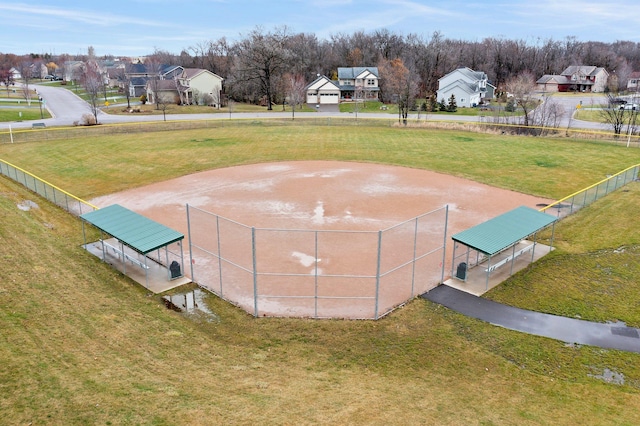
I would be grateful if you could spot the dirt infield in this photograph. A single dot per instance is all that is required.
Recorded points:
(320, 195)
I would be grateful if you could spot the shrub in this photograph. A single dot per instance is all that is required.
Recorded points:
(88, 120)
(143, 98)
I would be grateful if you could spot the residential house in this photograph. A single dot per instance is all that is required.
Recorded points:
(322, 91)
(139, 74)
(549, 83)
(470, 88)
(575, 78)
(203, 87)
(358, 83)
(72, 70)
(633, 84)
(193, 85)
(38, 70)
(15, 73)
(165, 91)
(35, 70)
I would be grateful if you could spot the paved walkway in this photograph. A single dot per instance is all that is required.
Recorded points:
(610, 336)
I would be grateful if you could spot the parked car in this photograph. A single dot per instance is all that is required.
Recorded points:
(49, 77)
(631, 107)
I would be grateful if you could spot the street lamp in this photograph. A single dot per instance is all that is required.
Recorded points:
(41, 114)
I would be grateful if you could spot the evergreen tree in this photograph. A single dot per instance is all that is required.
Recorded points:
(452, 106)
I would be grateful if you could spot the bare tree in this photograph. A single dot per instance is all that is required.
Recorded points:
(262, 58)
(6, 78)
(614, 114)
(154, 70)
(295, 92)
(124, 82)
(523, 87)
(25, 73)
(214, 56)
(93, 84)
(399, 84)
(547, 115)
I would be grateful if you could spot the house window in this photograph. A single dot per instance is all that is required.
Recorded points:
(371, 82)
(461, 99)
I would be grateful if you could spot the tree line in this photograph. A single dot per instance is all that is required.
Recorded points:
(256, 65)
(260, 66)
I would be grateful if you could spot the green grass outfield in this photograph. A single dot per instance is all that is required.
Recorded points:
(83, 345)
(98, 165)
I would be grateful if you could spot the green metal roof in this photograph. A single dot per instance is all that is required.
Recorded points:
(136, 231)
(503, 231)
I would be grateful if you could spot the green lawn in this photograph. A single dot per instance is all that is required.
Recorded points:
(150, 109)
(82, 344)
(595, 115)
(22, 114)
(546, 167)
(379, 107)
(13, 107)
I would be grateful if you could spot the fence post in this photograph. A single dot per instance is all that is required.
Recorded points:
(444, 243)
(315, 313)
(413, 263)
(375, 314)
(255, 273)
(219, 253)
(193, 278)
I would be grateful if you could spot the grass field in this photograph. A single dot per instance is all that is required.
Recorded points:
(100, 165)
(83, 344)
(13, 107)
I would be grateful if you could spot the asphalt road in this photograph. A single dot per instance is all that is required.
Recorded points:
(68, 109)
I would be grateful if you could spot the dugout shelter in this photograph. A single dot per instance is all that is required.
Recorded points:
(131, 238)
(499, 242)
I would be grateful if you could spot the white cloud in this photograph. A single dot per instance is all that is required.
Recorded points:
(85, 17)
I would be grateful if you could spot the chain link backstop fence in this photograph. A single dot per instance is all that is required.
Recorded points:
(317, 273)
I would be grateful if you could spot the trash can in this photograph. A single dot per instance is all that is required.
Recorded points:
(461, 272)
(174, 268)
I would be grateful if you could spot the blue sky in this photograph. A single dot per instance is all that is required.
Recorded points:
(138, 27)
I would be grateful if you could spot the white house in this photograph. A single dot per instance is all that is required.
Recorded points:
(15, 73)
(633, 84)
(204, 87)
(358, 83)
(322, 91)
(469, 87)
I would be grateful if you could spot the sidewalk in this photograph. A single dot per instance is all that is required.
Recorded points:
(610, 336)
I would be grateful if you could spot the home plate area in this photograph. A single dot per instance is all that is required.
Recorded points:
(318, 238)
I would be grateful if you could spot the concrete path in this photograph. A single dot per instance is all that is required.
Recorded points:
(610, 336)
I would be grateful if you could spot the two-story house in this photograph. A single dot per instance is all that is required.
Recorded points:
(470, 88)
(203, 86)
(575, 78)
(139, 74)
(191, 86)
(358, 83)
